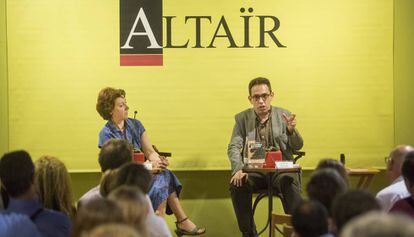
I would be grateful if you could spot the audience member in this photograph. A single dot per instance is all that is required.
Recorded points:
(17, 225)
(136, 175)
(112, 155)
(397, 190)
(53, 185)
(336, 165)
(379, 224)
(113, 230)
(17, 176)
(4, 198)
(95, 213)
(310, 219)
(108, 182)
(351, 204)
(324, 185)
(134, 206)
(406, 205)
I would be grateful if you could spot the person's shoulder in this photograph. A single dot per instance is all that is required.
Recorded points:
(385, 191)
(280, 110)
(134, 122)
(89, 196)
(157, 226)
(54, 217)
(395, 189)
(401, 205)
(14, 224)
(244, 114)
(105, 129)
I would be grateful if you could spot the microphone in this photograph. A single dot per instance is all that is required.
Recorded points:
(135, 114)
(342, 158)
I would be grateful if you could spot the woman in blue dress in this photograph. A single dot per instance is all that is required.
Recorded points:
(165, 188)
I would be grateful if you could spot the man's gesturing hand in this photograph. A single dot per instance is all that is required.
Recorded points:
(290, 122)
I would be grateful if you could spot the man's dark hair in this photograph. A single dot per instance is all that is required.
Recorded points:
(333, 164)
(407, 169)
(17, 172)
(259, 81)
(310, 218)
(114, 153)
(351, 204)
(324, 185)
(135, 175)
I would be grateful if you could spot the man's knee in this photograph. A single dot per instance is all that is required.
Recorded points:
(288, 182)
(241, 189)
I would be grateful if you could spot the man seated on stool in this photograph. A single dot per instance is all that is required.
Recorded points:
(273, 127)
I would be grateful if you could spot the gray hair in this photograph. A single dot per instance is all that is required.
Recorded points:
(379, 224)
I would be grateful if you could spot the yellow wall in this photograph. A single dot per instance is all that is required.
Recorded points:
(404, 71)
(4, 118)
(205, 193)
(335, 74)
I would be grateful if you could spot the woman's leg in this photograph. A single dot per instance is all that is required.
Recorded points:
(161, 209)
(179, 213)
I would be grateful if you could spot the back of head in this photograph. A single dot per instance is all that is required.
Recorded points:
(398, 156)
(133, 203)
(407, 171)
(113, 230)
(94, 213)
(135, 175)
(108, 182)
(310, 219)
(379, 224)
(114, 153)
(16, 172)
(53, 184)
(333, 164)
(324, 185)
(351, 204)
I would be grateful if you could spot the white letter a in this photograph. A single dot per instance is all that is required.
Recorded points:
(148, 32)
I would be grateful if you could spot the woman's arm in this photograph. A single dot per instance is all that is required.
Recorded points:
(157, 161)
(147, 148)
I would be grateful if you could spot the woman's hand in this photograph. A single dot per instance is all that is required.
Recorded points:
(160, 163)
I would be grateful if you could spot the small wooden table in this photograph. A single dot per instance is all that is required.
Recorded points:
(365, 176)
(271, 174)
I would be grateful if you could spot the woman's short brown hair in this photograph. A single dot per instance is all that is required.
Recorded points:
(106, 101)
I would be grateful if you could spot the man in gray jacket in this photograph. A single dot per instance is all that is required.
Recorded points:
(275, 128)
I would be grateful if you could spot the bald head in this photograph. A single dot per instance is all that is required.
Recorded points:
(397, 157)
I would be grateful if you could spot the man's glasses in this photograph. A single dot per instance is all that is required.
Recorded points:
(256, 98)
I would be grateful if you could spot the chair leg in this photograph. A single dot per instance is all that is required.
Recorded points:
(257, 200)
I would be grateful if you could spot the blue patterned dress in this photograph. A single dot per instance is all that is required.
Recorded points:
(164, 183)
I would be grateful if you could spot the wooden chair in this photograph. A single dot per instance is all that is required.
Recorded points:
(263, 193)
(283, 220)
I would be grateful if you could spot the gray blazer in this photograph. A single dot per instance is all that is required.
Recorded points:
(245, 128)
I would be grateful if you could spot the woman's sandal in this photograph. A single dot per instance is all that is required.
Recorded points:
(196, 231)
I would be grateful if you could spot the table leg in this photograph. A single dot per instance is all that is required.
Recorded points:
(368, 180)
(361, 182)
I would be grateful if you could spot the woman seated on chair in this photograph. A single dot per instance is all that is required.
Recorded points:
(166, 187)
